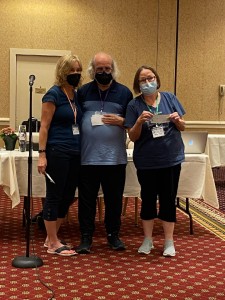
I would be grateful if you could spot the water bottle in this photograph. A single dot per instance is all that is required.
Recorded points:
(22, 138)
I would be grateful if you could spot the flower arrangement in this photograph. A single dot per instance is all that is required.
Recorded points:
(9, 137)
(8, 132)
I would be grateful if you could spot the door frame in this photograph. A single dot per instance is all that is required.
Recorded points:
(14, 52)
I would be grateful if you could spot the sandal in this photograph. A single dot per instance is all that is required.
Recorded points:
(60, 250)
(62, 242)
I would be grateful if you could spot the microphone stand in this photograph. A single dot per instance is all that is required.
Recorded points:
(28, 261)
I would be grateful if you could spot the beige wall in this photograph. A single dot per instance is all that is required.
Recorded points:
(127, 29)
(201, 67)
(135, 33)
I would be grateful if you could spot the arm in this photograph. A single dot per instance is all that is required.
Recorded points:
(47, 113)
(112, 119)
(135, 131)
(178, 121)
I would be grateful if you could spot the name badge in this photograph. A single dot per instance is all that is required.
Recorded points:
(75, 129)
(157, 132)
(96, 119)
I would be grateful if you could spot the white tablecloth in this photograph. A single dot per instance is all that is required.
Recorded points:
(14, 175)
(196, 180)
(216, 149)
(8, 177)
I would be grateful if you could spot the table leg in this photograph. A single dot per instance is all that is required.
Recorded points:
(187, 211)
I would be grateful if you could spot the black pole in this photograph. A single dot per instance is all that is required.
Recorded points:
(29, 180)
(176, 49)
(28, 261)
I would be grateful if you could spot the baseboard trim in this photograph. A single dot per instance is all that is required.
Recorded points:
(210, 126)
(4, 121)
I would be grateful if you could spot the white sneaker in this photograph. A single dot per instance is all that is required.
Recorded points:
(146, 246)
(169, 249)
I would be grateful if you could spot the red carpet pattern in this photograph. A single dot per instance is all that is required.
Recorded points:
(197, 271)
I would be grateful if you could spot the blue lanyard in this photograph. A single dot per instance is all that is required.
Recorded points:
(103, 100)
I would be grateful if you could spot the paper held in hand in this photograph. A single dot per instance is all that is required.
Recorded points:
(160, 119)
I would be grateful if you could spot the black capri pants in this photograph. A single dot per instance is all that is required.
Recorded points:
(64, 168)
(159, 184)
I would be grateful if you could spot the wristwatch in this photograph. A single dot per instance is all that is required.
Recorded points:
(41, 150)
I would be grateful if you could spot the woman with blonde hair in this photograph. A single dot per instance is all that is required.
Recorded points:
(59, 149)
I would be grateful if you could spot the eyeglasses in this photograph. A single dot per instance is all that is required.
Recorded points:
(103, 69)
(149, 79)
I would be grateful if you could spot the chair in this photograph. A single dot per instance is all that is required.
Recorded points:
(130, 145)
(35, 124)
(125, 202)
(100, 205)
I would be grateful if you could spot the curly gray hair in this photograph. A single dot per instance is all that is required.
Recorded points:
(91, 67)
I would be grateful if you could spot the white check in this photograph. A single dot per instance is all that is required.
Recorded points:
(160, 119)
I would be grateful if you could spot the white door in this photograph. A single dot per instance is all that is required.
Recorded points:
(25, 62)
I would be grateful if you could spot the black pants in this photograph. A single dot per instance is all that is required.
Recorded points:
(112, 180)
(161, 184)
(64, 168)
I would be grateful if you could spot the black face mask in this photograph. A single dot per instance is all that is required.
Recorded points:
(73, 79)
(103, 78)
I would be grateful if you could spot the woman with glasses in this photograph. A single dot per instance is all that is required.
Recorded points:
(59, 149)
(154, 121)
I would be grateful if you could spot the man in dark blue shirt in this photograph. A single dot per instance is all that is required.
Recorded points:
(103, 150)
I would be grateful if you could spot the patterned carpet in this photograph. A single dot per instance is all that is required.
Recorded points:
(208, 216)
(197, 271)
